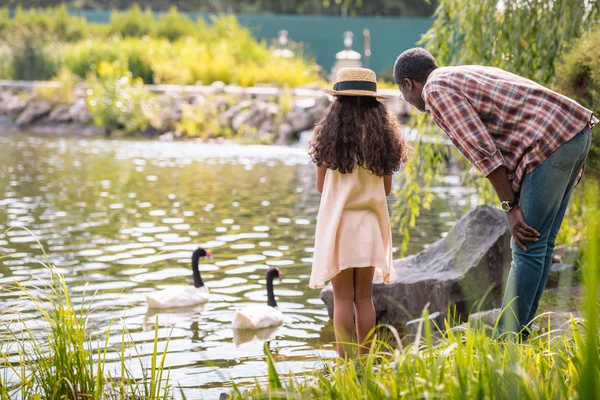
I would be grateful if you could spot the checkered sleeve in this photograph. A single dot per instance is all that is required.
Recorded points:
(457, 118)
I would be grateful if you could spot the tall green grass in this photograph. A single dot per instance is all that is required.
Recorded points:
(464, 362)
(63, 359)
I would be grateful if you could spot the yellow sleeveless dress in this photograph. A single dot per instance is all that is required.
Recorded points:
(353, 227)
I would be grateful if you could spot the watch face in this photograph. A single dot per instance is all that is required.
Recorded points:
(505, 206)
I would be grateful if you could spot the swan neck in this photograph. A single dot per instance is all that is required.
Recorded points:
(198, 283)
(270, 294)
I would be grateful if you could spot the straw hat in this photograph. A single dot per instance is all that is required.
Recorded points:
(355, 82)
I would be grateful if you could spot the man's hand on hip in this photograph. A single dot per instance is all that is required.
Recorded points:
(521, 232)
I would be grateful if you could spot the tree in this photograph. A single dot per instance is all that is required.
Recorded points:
(527, 37)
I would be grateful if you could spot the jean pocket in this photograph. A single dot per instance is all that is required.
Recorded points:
(569, 153)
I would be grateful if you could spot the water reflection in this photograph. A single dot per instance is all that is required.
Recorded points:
(120, 219)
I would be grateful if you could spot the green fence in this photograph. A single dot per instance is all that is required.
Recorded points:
(323, 36)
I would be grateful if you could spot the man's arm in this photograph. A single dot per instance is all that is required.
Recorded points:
(457, 117)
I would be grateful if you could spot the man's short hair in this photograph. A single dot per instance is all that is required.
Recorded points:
(416, 64)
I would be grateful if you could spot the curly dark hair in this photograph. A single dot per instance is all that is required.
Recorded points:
(416, 64)
(358, 131)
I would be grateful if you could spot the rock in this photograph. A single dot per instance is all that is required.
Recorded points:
(79, 112)
(456, 270)
(169, 110)
(257, 115)
(285, 132)
(34, 111)
(197, 100)
(559, 321)
(560, 271)
(60, 113)
(218, 87)
(226, 118)
(240, 120)
(11, 104)
(167, 137)
(303, 117)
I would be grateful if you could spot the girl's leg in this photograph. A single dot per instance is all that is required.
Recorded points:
(363, 304)
(343, 318)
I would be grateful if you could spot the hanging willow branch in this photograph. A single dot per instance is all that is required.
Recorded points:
(526, 37)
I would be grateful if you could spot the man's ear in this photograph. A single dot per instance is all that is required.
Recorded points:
(408, 83)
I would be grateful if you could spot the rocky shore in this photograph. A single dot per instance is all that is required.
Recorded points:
(259, 114)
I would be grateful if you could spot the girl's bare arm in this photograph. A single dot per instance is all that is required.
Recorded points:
(387, 182)
(321, 171)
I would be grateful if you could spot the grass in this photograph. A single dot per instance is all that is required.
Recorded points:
(65, 360)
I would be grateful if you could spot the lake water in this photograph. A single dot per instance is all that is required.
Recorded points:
(121, 218)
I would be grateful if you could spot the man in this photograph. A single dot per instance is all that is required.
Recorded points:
(530, 142)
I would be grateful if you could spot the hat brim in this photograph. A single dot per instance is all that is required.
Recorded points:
(363, 93)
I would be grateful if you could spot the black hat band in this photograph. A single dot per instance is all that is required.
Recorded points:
(355, 85)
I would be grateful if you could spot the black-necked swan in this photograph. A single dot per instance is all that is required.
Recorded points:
(261, 316)
(183, 296)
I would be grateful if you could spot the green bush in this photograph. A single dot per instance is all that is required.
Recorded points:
(132, 22)
(170, 49)
(174, 26)
(203, 122)
(579, 77)
(117, 101)
(30, 56)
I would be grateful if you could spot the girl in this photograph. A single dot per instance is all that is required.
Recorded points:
(357, 146)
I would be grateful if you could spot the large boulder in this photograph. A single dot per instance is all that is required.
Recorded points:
(61, 114)
(464, 269)
(11, 104)
(33, 112)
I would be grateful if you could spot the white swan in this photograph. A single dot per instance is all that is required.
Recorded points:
(261, 316)
(183, 296)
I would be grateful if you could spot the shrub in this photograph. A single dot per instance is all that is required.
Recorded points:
(174, 26)
(30, 57)
(62, 94)
(203, 122)
(117, 101)
(67, 27)
(579, 77)
(85, 57)
(132, 22)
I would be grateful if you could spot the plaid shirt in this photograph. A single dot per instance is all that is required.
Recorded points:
(496, 118)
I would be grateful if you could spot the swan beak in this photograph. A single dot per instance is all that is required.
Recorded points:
(208, 255)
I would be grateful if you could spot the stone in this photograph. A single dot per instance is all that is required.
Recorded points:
(169, 110)
(79, 112)
(218, 87)
(11, 104)
(226, 118)
(559, 321)
(464, 269)
(60, 113)
(33, 111)
(240, 120)
(167, 137)
(285, 133)
(559, 272)
(305, 114)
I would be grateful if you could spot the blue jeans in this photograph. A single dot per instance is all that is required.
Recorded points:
(544, 198)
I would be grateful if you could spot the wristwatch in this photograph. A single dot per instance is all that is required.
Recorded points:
(509, 205)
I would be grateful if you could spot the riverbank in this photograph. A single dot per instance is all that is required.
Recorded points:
(217, 112)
